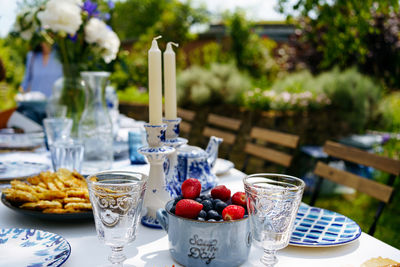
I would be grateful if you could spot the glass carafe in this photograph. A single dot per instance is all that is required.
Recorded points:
(95, 127)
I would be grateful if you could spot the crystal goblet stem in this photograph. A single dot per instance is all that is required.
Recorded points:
(269, 258)
(117, 256)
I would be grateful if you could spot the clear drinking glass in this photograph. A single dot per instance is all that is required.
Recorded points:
(272, 204)
(117, 198)
(57, 129)
(67, 154)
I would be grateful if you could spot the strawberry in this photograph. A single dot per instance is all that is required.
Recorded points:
(188, 208)
(221, 192)
(191, 188)
(239, 198)
(233, 212)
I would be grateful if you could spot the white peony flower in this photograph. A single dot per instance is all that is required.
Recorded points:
(25, 25)
(94, 30)
(110, 44)
(97, 32)
(76, 2)
(61, 15)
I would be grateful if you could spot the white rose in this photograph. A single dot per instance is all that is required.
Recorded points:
(61, 15)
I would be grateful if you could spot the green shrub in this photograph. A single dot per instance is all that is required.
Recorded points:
(222, 83)
(389, 107)
(207, 54)
(298, 91)
(353, 95)
(133, 94)
(350, 94)
(14, 65)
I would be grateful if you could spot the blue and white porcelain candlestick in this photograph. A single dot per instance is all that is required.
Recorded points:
(172, 139)
(156, 194)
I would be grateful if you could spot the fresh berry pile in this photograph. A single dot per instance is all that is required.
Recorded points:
(219, 206)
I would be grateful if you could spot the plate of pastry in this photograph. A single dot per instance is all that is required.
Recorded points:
(60, 195)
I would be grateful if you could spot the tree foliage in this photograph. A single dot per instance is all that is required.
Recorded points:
(349, 32)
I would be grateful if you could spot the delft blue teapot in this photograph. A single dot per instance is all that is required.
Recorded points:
(194, 162)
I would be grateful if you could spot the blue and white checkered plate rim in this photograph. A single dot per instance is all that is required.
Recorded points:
(316, 227)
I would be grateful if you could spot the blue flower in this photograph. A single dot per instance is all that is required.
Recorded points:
(91, 8)
(73, 38)
(111, 4)
(106, 16)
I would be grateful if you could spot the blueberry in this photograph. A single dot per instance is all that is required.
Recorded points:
(177, 199)
(202, 214)
(207, 205)
(215, 201)
(199, 199)
(220, 207)
(212, 214)
(212, 220)
(172, 210)
(201, 219)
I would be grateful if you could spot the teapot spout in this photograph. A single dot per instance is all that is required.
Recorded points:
(212, 150)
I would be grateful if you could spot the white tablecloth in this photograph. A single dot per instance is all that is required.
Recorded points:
(151, 246)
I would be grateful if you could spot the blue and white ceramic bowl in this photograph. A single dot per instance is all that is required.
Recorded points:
(32, 248)
(194, 243)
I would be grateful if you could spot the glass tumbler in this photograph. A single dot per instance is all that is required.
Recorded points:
(272, 204)
(57, 129)
(117, 198)
(135, 141)
(67, 154)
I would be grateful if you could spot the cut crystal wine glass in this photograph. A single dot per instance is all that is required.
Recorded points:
(117, 198)
(272, 204)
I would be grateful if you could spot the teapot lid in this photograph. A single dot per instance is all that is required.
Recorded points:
(192, 151)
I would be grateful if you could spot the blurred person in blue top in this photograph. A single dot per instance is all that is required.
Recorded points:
(42, 69)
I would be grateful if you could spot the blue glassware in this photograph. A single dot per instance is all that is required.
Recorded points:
(135, 142)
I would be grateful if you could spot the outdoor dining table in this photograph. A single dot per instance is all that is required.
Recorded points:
(151, 245)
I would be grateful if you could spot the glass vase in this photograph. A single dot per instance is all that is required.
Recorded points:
(69, 91)
(95, 126)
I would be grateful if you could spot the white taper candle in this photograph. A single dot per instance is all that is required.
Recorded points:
(155, 84)
(170, 82)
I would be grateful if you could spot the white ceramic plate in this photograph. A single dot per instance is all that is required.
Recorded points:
(31, 247)
(23, 141)
(16, 169)
(222, 166)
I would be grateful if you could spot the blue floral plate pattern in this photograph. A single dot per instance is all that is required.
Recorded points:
(32, 248)
(316, 227)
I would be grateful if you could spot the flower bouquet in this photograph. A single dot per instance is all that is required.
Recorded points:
(83, 40)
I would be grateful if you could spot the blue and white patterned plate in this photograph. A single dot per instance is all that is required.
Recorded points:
(32, 248)
(316, 227)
